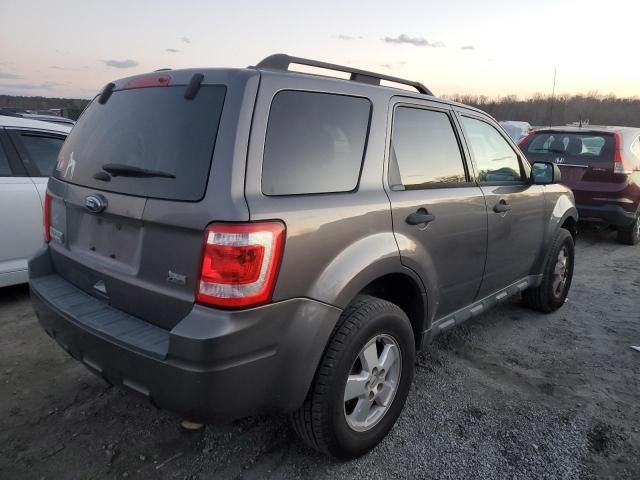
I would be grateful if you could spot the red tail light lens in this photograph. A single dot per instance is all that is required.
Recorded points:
(46, 217)
(240, 264)
(149, 81)
(525, 139)
(619, 165)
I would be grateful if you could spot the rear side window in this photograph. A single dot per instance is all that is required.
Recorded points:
(496, 160)
(5, 169)
(570, 148)
(43, 151)
(424, 150)
(168, 139)
(315, 143)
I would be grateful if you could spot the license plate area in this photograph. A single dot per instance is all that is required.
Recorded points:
(114, 240)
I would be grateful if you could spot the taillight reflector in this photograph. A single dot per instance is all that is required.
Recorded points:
(46, 216)
(240, 264)
(149, 81)
(619, 165)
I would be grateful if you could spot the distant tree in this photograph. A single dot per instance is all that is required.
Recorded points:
(593, 107)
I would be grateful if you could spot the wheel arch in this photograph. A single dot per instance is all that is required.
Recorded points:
(406, 292)
(372, 266)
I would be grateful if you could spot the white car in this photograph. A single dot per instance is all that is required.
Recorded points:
(28, 154)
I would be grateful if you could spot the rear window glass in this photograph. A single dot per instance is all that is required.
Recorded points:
(168, 139)
(315, 143)
(570, 148)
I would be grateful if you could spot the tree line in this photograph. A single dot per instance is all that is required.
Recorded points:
(40, 103)
(538, 110)
(543, 110)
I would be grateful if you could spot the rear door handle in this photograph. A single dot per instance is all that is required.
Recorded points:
(420, 217)
(502, 206)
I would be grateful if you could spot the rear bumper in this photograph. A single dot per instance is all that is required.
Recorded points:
(213, 365)
(608, 214)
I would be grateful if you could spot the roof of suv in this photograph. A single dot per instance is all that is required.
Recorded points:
(279, 64)
(19, 122)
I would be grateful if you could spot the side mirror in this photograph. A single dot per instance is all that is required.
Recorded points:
(545, 173)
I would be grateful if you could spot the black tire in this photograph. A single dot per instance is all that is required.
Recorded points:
(543, 298)
(631, 235)
(321, 421)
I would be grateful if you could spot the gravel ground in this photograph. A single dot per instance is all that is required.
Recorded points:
(512, 394)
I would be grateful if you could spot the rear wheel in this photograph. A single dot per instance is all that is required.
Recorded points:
(630, 236)
(551, 294)
(362, 382)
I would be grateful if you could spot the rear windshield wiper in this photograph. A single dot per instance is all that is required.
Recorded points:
(122, 170)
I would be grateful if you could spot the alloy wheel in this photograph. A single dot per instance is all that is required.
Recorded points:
(372, 383)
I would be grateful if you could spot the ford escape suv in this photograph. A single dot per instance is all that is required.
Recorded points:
(602, 167)
(234, 241)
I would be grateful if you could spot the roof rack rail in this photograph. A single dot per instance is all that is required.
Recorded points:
(281, 61)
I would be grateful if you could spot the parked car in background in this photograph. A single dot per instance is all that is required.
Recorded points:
(602, 167)
(28, 153)
(38, 116)
(219, 240)
(516, 130)
(50, 118)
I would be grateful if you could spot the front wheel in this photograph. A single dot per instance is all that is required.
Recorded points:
(362, 382)
(551, 294)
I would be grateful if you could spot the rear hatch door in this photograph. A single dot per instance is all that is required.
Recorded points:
(127, 215)
(585, 158)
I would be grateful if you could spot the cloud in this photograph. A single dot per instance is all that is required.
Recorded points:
(467, 47)
(386, 65)
(121, 63)
(56, 67)
(172, 50)
(417, 41)
(30, 86)
(348, 38)
(185, 39)
(9, 76)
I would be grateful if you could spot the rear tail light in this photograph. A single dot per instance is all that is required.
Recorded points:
(525, 139)
(240, 264)
(619, 164)
(149, 81)
(46, 217)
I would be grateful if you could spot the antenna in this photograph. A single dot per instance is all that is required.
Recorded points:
(553, 96)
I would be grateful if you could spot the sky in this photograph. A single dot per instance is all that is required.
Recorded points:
(72, 48)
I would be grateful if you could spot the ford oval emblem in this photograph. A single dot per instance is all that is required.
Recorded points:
(95, 203)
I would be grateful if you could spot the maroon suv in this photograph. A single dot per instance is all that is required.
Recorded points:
(602, 167)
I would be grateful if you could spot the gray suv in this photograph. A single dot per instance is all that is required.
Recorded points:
(228, 242)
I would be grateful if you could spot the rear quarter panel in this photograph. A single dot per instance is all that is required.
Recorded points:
(336, 243)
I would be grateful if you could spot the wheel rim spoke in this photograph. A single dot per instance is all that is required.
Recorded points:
(369, 357)
(361, 412)
(386, 394)
(388, 357)
(356, 386)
